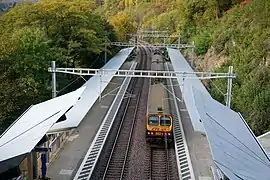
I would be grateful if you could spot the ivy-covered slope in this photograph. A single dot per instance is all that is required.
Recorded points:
(238, 31)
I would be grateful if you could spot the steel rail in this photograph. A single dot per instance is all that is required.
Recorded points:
(167, 158)
(130, 135)
(121, 126)
(87, 166)
(118, 132)
(160, 157)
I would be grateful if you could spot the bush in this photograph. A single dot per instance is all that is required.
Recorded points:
(202, 42)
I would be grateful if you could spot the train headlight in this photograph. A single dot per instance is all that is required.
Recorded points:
(152, 133)
(148, 132)
(169, 134)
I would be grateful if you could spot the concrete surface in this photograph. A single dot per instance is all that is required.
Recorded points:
(265, 142)
(68, 160)
(198, 146)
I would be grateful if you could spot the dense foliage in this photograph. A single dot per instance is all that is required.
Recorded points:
(244, 36)
(235, 29)
(73, 32)
(32, 35)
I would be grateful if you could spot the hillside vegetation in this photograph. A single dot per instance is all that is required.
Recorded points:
(244, 36)
(73, 34)
(241, 37)
(32, 35)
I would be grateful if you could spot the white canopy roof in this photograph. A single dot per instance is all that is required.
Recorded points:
(93, 88)
(23, 135)
(180, 64)
(235, 149)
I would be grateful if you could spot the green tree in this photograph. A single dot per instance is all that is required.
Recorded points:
(69, 32)
(24, 77)
(123, 23)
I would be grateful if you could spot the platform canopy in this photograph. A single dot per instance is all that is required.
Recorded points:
(235, 149)
(265, 141)
(27, 131)
(179, 63)
(94, 86)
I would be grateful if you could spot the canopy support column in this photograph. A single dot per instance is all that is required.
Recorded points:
(229, 88)
(53, 80)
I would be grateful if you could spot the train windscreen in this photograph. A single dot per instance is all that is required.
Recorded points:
(153, 120)
(165, 121)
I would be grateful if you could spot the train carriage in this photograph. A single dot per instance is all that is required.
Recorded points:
(159, 126)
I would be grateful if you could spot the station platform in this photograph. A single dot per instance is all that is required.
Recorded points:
(265, 142)
(198, 146)
(69, 158)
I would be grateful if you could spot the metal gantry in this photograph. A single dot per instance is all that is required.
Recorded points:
(159, 34)
(142, 73)
(146, 74)
(177, 46)
(151, 31)
(165, 37)
(154, 35)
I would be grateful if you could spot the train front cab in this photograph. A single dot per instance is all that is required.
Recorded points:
(159, 128)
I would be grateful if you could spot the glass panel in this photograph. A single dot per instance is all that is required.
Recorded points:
(165, 121)
(153, 120)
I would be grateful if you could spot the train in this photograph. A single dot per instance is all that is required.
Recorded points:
(159, 121)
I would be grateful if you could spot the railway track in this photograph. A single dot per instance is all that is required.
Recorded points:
(91, 158)
(162, 161)
(125, 154)
(162, 165)
(159, 159)
(116, 164)
(117, 160)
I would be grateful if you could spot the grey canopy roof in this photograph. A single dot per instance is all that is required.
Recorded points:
(25, 133)
(93, 88)
(235, 149)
